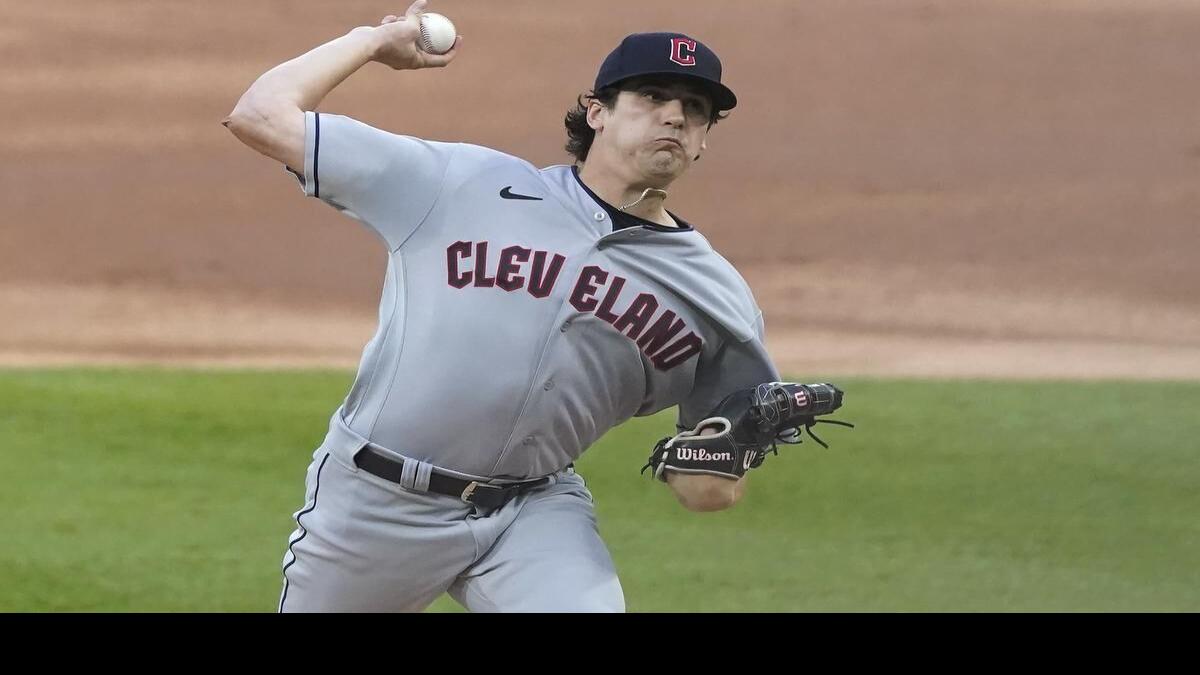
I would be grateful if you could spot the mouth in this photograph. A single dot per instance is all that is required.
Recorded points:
(669, 141)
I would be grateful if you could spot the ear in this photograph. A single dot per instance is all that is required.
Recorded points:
(596, 113)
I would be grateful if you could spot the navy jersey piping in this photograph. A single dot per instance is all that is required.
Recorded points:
(316, 154)
(304, 533)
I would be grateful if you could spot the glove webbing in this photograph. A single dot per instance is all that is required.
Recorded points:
(808, 427)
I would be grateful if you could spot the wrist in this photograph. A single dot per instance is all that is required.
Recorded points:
(705, 493)
(368, 40)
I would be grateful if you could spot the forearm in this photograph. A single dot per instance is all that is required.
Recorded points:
(304, 81)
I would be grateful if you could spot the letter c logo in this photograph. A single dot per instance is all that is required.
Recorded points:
(683, 51)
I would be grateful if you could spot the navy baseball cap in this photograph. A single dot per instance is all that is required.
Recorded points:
(673, 54)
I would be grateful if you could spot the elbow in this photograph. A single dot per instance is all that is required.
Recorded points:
(703, 493)
(271, 125)
(249, 118)
(260, 111)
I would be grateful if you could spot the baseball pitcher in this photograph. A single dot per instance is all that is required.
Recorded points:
(525, 311)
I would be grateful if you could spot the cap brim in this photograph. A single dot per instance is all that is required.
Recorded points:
(723, 98)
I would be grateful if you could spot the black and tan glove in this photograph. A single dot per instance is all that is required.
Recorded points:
(744, 427)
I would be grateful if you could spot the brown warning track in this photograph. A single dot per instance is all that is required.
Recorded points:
(1005, 188)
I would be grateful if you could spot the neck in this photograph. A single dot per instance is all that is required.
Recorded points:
(620, 191)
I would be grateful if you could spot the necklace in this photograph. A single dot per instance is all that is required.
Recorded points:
(645, 194)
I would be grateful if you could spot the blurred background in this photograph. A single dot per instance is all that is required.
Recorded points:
(916, 187)
(963, 208)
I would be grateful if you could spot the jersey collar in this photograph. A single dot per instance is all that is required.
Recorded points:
(622, 220)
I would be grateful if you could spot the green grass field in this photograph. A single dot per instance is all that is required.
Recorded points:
(160, 490)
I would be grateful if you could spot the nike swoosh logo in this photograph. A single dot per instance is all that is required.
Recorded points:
(507, 193)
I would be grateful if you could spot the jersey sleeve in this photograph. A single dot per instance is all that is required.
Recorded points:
(735, 365)
(387, 181)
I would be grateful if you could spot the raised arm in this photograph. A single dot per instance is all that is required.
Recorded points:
(270, 115)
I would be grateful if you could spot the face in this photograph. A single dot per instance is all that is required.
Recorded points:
(656, 128)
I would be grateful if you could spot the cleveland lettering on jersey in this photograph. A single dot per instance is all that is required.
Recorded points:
(467, 264)
(632, 321)
(543, 273)
(654, 342)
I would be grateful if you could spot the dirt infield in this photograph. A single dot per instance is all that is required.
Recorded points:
(995, 188)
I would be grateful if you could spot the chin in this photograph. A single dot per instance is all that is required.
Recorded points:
(658, 170)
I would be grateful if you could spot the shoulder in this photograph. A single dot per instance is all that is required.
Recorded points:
(687, 263)
(484, 154)
(559, 175)
(750, 311)
(471, 160)
(734, 289)
(463, 153)
(729, 272)
(332, 126)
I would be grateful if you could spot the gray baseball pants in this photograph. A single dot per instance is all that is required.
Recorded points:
(366, 544)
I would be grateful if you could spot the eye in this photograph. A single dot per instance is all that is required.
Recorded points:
(696, 107)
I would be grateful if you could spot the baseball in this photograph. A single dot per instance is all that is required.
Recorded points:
(437, 33)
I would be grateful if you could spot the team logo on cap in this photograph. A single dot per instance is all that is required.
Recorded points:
(683, 51)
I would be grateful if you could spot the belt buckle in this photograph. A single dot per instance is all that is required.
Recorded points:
(475, 488)
(469, 490)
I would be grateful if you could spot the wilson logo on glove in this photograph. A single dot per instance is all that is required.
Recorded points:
(801, 397)
(702, 455)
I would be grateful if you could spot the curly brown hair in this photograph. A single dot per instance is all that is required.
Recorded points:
(579, 133)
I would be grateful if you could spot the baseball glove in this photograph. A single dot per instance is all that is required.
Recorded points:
(744, 427)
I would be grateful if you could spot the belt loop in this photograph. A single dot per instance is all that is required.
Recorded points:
(424, 471)
(408, 474)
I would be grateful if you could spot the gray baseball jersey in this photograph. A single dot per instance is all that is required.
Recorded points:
(515, 326)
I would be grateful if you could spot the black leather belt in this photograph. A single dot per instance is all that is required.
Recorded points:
(486, 495)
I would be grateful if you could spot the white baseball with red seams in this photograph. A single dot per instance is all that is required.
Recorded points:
(437, 33)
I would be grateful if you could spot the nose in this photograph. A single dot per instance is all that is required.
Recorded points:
(672, 111)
